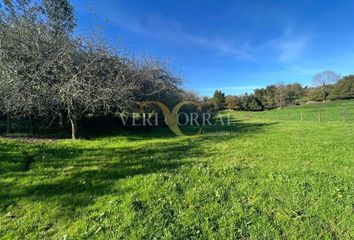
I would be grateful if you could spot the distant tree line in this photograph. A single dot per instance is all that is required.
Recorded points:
(49, 74)
(327, 86)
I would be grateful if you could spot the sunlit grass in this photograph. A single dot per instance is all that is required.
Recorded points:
(325, 112)
(268, 178)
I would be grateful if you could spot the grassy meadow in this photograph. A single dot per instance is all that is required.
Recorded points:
(324, 112)
(268, 176)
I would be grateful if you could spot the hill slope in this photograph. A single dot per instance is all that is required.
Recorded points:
(329, 111)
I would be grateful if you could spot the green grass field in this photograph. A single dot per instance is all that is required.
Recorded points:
(264, 177)
(329, 112)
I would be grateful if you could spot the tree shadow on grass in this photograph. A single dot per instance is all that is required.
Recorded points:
(227, 129)
(74, 176)
(218, 124)
(222, 125)
(91, 172)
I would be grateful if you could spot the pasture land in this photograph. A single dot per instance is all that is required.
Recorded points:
(264, 177)
(324, 112)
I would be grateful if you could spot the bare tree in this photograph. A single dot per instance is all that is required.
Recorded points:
(92, 81)
(323, 80)
(32, 33)
(45, 72)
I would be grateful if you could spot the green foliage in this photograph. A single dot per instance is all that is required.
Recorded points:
(315, 94)
(279, 96)
(252, 103)
(273, 96)
(267, 96)
(233, 102)
(344, 88)
(219, 100)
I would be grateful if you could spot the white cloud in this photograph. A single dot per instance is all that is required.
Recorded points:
(172, 31)
(288, 47)
(221, 47)
(293, 49)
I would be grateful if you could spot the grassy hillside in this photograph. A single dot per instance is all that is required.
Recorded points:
(329, 112)
(260, 178)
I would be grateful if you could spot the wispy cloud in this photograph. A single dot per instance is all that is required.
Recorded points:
(286, 48)
(221, 47)
(290, 46)
(290, 50)
(172, 31)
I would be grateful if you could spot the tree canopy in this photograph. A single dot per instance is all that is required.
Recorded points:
(327, 86)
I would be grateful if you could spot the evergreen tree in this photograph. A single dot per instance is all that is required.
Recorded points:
(219, 100)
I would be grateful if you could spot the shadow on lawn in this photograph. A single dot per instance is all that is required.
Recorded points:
(76, 176)
(232, 126)
(25, 134)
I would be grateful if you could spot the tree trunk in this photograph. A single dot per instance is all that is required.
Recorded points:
(8, 123)
(73, 129)
(61, 125)
(31, 124)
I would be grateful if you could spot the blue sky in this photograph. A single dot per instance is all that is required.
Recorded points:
(234, 46)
